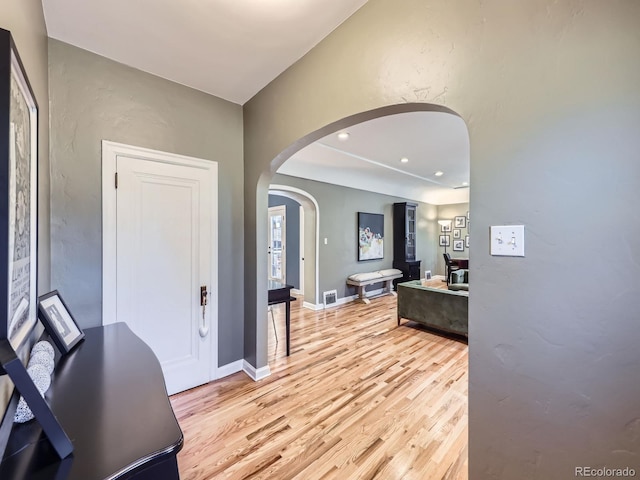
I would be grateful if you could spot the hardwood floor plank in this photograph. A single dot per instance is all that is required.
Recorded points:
(359, 398)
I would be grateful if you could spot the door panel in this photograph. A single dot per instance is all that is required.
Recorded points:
(163, 257)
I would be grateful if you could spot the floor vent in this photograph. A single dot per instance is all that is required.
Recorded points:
(330, 298)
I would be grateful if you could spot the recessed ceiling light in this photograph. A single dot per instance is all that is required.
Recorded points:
(439, 173)
(404, 159)
(343, 136)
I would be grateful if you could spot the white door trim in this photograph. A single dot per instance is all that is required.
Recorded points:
(110, 153)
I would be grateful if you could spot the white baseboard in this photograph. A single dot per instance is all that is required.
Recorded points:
(439, 277)
(230, 369)
(259, 374)
(295, 291)
(313, 306)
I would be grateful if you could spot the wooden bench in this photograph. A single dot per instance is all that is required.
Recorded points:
(361, 280)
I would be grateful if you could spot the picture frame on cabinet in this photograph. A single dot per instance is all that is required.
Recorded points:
(58, 322)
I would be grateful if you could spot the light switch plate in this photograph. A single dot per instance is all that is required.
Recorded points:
(507, 240)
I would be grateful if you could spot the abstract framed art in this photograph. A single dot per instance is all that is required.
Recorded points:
(370, 236)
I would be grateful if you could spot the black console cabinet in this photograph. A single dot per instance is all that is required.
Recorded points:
(405, 223)
(109, 396)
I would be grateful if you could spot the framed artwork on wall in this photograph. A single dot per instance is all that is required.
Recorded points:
(458, 245)
(445, 227)
(460, 222)
(466, 241)
(18, 197)
(370, 236)
(444, 240)
(457, 233)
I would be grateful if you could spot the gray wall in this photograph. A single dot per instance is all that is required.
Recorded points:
(449, 212)
(549, 91)
(25, 20)
(292, 253)
(339, 207)
(93, 98)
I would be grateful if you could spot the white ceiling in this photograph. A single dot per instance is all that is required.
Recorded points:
(228, 48)
(234, 48)
(370, 158)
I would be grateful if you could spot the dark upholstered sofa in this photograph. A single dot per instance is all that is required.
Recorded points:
(445, 310)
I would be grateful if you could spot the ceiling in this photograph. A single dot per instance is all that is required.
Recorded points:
(233, 48)
(228, 48)
(370, 158)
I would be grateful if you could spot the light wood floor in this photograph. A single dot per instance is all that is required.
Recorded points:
(359, 398)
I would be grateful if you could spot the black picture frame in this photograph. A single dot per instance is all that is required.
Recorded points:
(460, 221)
(18, 197)
(446, 227)
(58, 322)
(458, 245)
(11, 365)
(370, 236)
(457, 233)
(444, 241)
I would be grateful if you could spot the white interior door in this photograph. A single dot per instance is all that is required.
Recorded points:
(277, 243)
(164, 245)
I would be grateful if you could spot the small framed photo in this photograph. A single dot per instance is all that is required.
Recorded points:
(467, 215)
(457, 233)
(458, 245)
(466, 241)
(58, 322)
(444, 240)
(460, 222)
(446, 227)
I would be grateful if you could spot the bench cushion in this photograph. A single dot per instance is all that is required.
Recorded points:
(363, 277)
(390, 272)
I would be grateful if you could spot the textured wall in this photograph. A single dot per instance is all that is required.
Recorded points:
(549, 92)
(93, 98)
(339, 207)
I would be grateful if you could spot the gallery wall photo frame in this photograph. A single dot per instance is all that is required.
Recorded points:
(444, 241)
(458, 245)
(58, 322)
(18, 197)
(370, 236)
(460, 221)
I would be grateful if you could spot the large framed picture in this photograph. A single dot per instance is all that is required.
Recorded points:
(58, 322)
(370, 236)
(18, 197)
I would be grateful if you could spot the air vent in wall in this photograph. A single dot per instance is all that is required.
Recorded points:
(330, 298)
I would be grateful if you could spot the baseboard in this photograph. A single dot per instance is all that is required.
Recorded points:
(295, 291)
(229, 369)
(313, 306)
(438, 277)
(259, 374)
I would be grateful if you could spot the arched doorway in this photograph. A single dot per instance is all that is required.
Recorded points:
(257, 266)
